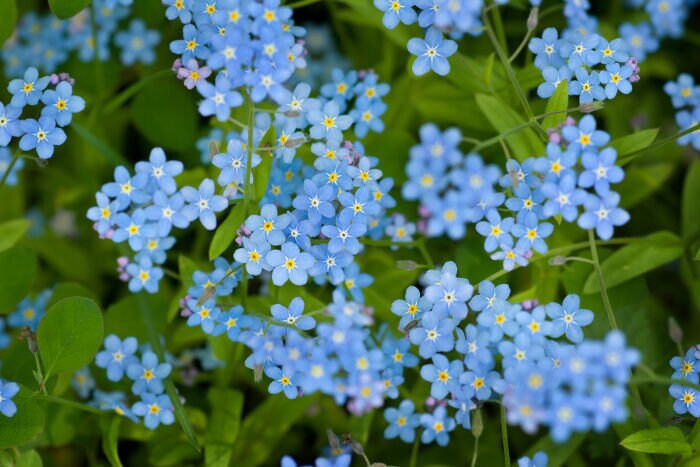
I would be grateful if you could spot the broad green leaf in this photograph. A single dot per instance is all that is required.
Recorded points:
(69, 335)
(636, 259)
(17, 268)
(665, 440)
(627, 145)
(25, 425)
(524, 142)
(29, 459)
(110, 439)
(641, 180)
(8, 19)
(265, 426)
(226, 232)
(12, 231)
(557, 103)
(65, 9)
(223, 425)
(158, 112)
(690, 214)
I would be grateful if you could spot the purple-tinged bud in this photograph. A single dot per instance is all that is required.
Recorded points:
(123, 261)
(424, 211)
(554, 136)
(177, 64)
(124, 277)
(570, 121)
(532, 19)
(528, 254)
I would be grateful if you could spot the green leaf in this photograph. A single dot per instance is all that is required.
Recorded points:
(265, 426)
(65, 9)
(8, 19)
(158, 111)
(69, 289)
(690, 215)
(26, 423)
(110, 439)
(642, 180)
(488, 69)
(636, 259)
(524, 142)
(557, 103)
(17, 268)
(261, 174)
(665, 440)
(629, 144)
(222, 426)
(29, 459)
(69, 335)
(12, 231)
(226, 232)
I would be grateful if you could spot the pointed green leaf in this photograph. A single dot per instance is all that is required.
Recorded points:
(690, 215)
(65, 9)
(223, 426)
(12, 231)
(665, 440)
(26, 423)
(110, 439)
(636, 259)
(557, 103)
(8, 19)
(17, 268)
(69, 335)
(627, 146)
(226, 232)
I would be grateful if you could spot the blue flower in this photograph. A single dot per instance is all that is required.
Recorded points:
(479, 383)
(402, 422)
(103, 214)
(531, 233)
(61, 104)
(586, 86)
(42, 136)
(203, 203)
(137, 43)
(433, 334)
(585, 135)
(219, 97)
(685, 120)
(192, 45)
(10, 126)
(474, 345)
(126, 189)
(8, 390)
(117, 356)
(396, 11)
(160, 172)
(316, 201)
(510, 256)
(167, 212)
(687, 400)
(232, 322)
(443, 375)
(490, 297)
(155, 410)
(450, 295)
(603, 214)
(289, 263)
(540, 459)
(495, 230)
(29, 312)
(204, 315)
(683, 92)
(252, 254)
(181, 9)
(686, 367)
(412, 308)
(563, 198)
(366, 116)
(431, 53)
(27, 91)
(268, 226)
(360, 205)
(580, 51)
(327, 123)
(283, 380)
(293, 314)
(133, 229)
(233, 163)
(639, 39)
(144, 275)
(437, 426)
(546, 49)
(330, 264)
(600, 170)
(83, 382)
(345, 233)
(616, 78)
(148, 374)
(553, 77)
(340, 89)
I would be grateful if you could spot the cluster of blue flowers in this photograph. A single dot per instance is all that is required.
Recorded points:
(27, 314)
(455, 190)
(121, 358)
(507, 352)
(573, 58)
(142, 209)
(46, 42)
(44, 130)
(686, 399)
(685, 97)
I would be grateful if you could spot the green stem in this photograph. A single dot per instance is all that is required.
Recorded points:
(504, 435)
(171, 273)
(119, 100)
(499, 30)
(301, 3)
(414, 452)
(601, 281)
(521, 46)
(68, 403)
(664, 381)
(426, 255)
(15, 158)
(625, 158)
(476, 451)
(248, 192)
(40, 374)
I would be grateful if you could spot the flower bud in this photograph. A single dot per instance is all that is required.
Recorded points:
(406, 264)
(557, 260)
(674, 330)
(477, 424)
(532, 19)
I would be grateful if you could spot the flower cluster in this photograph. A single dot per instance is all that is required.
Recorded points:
(46, 42)
(54, 94)
(121, 358)
(247, 43)
(455, 190)
(685, 96)
(142, 209)
(686, 399)
(573, 58)
(510, 353)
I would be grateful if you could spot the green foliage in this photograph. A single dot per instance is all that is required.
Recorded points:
(69, 335)
(628, 147)
(222, 429)
(665, 440)
(110, 438)
(226, 232)
(17, 269)
(25, 425)
(67, 8)
(556, 106)
(8, 19)
(11, 232)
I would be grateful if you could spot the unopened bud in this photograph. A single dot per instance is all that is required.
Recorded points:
(293, 143)
(206, 295)
(557, 261)
(258, 372)
(406, 264)
(333, 440)
(591, 107)
(30, 337)
(532, 19)
(357, 447)
(477, 424)
(410, 326)
(292, 113)
(213, 148)
(674, 330)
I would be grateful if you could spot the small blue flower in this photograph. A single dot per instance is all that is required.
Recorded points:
(126, 189)
(289, 263)
(540, 459)
(283, 380)
(586, 86)
(687, 400)
(396, 11)
(204, 315)
(585, 135)
(553, 77)
(103, 214)
(546, 49)
(603, 214)
(433, 334)
(443, 375)
(148, 374)
(132, 228)
(155, 410)
(252, 254)
(219, 98)
(203, 203)
(167, 212)
(686, 367)
(327, 123)
(10, 125)
(83, 382)
(160, 172)
(686, 120)
(432, 53)
(495, 230)
(316, 201)
(563, 198)
(616, 78)
(293, 314)
(137, 43)
(117, 356)
(42, 136)
(531, 233)
(437, 426)
(8, 390)
(268, 226)
(61, 104)
(27, 91)
(192, 45)
(144, 275)
(402, 422)
(412, 308)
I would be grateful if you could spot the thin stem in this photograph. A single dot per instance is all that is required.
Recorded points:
(301, 3)
(476, 451)
(414, 452)
(504, 435)
(68, 403)
(171, 273)
(580, 259)
(15, 158)
(626, 157)
(119, 100)
(426, 255)
(248, 192)
(240, 124)
(665, 381)
(40, 374)
(521, 46)
(601, 281)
